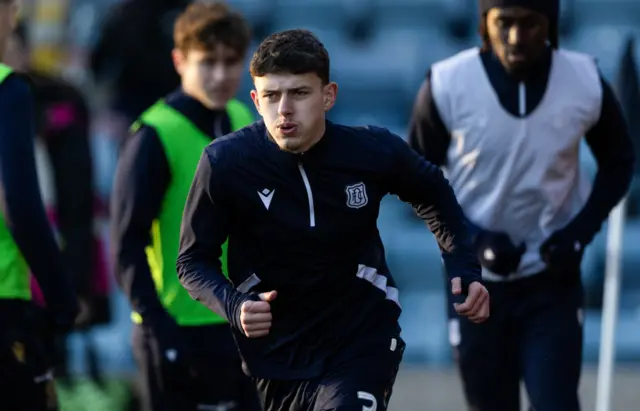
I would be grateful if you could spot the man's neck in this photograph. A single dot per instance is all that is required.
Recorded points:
(541, 66)
(194, 97)
(314, 140)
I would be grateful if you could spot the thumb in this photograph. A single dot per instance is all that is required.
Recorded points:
(268, 297)
(456, 286)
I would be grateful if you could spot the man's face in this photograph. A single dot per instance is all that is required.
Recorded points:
(517, 35)
(212, 77)
(16, 54)
(8, 20)
(293, 107)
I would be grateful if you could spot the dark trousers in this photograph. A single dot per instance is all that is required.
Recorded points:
(534, 335)
(359, 378)
(26, 363)
(220, 381)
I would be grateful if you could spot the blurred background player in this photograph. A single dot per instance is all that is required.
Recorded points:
(27, 243)
(185, 353)
(65, 169)
(506, 122)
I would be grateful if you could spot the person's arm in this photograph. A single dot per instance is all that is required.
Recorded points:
(611, 145)
(70, 154)
(427, 133)
(141, 181)
(21, 201)
(423, 185)
(205, 228)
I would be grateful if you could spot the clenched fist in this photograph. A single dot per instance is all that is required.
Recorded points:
(476, 305)
(255, 316)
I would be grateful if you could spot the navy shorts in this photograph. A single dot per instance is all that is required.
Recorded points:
(360, 378)
(220, 382)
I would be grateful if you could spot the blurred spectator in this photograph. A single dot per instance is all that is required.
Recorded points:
(359, 19)
(460, 17)
(132, 57)
(64, 164)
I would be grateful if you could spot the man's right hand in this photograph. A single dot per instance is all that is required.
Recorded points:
(476, 305)
(255, 316)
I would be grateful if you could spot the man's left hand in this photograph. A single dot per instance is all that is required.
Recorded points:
(477, 304)
(562, 252)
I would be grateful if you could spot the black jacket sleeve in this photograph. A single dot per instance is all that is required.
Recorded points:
(427, 133)
(204, 230)
(141, 181)
(21, 200)
(423, 185)
(611, 145)
(71, 161)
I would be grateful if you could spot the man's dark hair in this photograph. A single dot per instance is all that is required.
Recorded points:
(291, 51)
(486, 43)
(202, 26)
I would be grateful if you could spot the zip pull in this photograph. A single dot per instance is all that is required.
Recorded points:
(522, 99)
(307, 186)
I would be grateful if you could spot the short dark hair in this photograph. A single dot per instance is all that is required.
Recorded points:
(202, 26)
(486, 42)
(292, 51)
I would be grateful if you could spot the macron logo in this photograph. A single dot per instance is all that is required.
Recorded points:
(266, 195)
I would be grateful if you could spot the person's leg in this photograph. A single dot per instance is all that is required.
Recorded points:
(552, 347)
(61, 365)
(488, 357)
(149, 387)
(26, 373)
(361, 378)
(220, 381)
(248, 395)
(155, 395)
(285, 395)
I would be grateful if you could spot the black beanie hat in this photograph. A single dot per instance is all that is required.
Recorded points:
(549, 8)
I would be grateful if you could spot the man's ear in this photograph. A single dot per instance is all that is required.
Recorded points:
(179, 59)
(256, 101)
(330, 93)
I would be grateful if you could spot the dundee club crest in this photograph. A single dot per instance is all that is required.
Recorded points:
(356, 195)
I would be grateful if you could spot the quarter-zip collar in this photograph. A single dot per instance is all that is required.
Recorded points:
(313, 151)
(519, 97)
